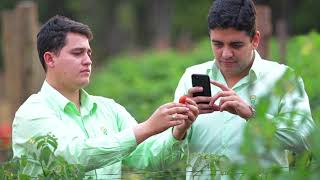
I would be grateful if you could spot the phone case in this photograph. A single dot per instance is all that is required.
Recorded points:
(202, 80)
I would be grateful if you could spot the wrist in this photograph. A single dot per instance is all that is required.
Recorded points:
(142, 131)
(178, 133)
(253, 113)
(147, 128)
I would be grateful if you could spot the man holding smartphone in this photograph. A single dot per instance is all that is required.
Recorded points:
(239, 78)
(92, 131)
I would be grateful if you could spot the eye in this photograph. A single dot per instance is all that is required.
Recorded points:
(89, 53)
(77, 53)
(237, 45)
(217, 44)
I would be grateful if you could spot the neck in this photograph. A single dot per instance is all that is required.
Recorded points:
(233, 79)
(72, 94)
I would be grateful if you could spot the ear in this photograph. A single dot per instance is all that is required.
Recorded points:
(49, 59)
(256, 40)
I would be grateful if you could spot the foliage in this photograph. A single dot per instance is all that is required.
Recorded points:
(302, 55)
(187, 16)
(53, 167)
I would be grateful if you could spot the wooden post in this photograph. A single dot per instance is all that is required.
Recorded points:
(161, 24)
(32, 72)
(22, 69)
(264, 25)
(12, 66)
(282, 36)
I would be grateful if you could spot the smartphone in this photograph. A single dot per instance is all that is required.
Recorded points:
(203, 81)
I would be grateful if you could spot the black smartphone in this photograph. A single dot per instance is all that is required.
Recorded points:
(203, 81)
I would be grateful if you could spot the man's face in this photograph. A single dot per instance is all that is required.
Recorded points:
(233, 50)
(72, 66)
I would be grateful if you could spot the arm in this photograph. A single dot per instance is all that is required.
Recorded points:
(294, 108)
(289, 110)
(167, 115)
(163, 149)
(92, 151)
(157, 152)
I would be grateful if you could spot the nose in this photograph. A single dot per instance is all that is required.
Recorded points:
(87, 60)
(227, 53)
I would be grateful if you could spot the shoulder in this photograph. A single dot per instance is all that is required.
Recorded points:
(34, 105)
(277, 70)
(273, 65)
(100, 100)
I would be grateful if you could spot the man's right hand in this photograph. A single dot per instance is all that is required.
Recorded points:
(166, 116)
(202, 101)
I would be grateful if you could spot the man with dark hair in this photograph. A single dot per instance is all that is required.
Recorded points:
(239, 79)
(92, 131)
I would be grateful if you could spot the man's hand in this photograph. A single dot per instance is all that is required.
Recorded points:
(230, 101)
(202, 101)
(166, 116)
(180, 131)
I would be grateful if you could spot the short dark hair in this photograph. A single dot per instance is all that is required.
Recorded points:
(52, 35)
(238, 14)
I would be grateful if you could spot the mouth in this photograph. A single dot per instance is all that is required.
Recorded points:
(86, 71)
(228, 63)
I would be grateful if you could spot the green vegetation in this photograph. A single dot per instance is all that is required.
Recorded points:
(53, 167)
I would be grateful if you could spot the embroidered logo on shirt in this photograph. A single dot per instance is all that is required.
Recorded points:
(253, 99)
(103, 129)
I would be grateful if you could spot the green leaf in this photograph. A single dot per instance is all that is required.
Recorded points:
(24, 177)
(45, 155)
(224, 164)
(212, 168)
(23, 161)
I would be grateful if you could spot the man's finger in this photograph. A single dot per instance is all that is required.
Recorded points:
(179, 110)
(221, 86)
(173, 104)
(227, 98)
(191, 102)
(220, 94)
(228, 105)
(193, 90)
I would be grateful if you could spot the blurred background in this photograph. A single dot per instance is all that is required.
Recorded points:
(141, 48)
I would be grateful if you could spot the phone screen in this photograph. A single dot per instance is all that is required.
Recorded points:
(203, 81)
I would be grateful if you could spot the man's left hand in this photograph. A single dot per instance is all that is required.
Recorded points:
(179, 131)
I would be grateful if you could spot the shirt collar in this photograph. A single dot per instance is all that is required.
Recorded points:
(256, 67)
(87, 102)
(54, 96)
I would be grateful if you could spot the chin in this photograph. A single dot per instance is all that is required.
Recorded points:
(84, 83)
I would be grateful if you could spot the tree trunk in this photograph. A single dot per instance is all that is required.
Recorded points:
(264, 25)
(161, 15)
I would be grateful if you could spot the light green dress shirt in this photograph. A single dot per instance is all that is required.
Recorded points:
(221, 133)
(99, 137)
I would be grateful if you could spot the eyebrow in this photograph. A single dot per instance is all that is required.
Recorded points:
(81, 49)
(232, 42)
(213, 40)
